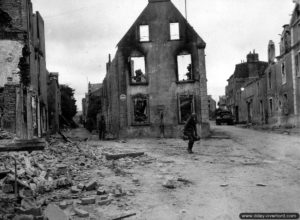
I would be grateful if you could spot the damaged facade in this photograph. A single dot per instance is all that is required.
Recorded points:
(273, 97)
(23, 74)
(54, 102)
(157, 77)
(91, 105)
(212, 106)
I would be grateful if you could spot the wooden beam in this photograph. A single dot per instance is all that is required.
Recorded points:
(125, 216)
(119, 156)
(24, 145)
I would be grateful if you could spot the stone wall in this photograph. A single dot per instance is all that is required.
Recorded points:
(10, 54)
(9, 111)
(163, 88)
(54, 102)
(17, 11)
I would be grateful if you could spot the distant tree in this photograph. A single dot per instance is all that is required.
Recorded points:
(68, 104)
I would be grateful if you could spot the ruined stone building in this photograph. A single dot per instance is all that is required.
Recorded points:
(212, 106)
(157, 77)
(54, 102)
(23, 74)
(92, 96)
(273, 98)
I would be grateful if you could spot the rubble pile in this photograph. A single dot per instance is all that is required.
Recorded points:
(62, 174)
(6, 135)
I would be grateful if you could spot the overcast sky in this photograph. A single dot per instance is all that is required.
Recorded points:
(81, 34)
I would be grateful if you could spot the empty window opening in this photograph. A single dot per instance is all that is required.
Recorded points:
(283, 73)
(297, 63)
(285, 104)
(140, 109)
(186, 107)
(270, 80)
(174, 31)
(138, 70)
(144, 33)
(184, 67)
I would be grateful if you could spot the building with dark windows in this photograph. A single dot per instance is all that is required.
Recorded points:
(157, 77)
(273, 96)
(23, 74)
(240, 102)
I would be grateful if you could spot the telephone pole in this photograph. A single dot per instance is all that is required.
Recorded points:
(185, 3)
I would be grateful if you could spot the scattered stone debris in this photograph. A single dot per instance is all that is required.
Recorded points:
(185, 181)
(119, 156)
(170, 184)
(6, 135)
(262, 185)
(64, 180)
(92, 185)
(88, 200)
(81, 213)
(104, 202)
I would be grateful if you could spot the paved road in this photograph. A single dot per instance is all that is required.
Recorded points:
(240, 170)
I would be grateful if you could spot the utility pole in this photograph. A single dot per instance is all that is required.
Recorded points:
(185, 3)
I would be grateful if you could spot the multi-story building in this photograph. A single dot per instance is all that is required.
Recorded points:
(212, 106)
(54, 102)
(23, 74)
(283, 77)
(274, 97)
(239, 101)
(93, 95)
(157, 77)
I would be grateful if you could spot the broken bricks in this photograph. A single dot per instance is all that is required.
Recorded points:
(88, 200)
(7, 188)
(101, 191)
(104, 202)
(81, 213)
(169, 184)
(74, 189)
(92, 185)
(63, 205)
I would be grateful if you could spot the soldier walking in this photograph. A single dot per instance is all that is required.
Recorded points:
(190, 130)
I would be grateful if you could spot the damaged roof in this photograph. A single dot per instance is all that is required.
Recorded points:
(164, 11)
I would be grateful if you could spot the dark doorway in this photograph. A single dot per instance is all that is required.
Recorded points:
(249, 110)
(236, 114)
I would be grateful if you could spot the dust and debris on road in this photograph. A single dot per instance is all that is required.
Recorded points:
(149, 178)
(70, 180)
